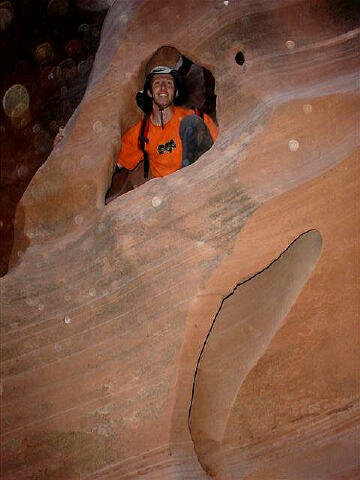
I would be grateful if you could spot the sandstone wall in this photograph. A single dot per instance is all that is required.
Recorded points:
(241, 270)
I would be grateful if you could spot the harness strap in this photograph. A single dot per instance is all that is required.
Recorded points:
(199, 113)
(142, 139)
(144, 130)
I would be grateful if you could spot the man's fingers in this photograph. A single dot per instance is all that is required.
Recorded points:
(59, 136)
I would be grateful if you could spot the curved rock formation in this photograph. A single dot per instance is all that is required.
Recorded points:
(106, 309)
(253, 311)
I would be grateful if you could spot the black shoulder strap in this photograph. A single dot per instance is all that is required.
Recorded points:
(199, 112)
(142, 140)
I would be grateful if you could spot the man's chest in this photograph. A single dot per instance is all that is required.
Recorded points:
(163, 144)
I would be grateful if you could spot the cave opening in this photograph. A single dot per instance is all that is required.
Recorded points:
(201, 98)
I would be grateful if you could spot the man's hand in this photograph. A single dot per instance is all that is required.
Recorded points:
(59, 136)
(119, 184)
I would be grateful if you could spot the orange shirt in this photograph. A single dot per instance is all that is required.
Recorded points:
(164, 147)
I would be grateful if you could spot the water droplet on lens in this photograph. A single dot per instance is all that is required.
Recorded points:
(83, 67)
(67, 64)
(293, 145)
(98, 127)
(156, 202)
(78, 219)
(20, 116)
(44, 53)
(92, 292)
(84, 28)
(15, 96)
(290, 44)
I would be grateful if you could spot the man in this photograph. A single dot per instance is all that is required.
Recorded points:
(170, 137)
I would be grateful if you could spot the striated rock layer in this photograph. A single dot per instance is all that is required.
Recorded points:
(239, 272)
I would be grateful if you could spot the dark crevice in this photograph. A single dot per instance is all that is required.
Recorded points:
(239, 58)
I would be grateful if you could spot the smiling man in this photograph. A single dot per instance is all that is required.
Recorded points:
(169, 137)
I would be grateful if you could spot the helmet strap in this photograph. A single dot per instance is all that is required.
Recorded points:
(162, 119)
(161, 111)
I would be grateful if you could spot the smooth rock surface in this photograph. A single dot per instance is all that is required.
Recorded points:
(108, 312)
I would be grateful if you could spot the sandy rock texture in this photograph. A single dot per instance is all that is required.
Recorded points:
(203, 325)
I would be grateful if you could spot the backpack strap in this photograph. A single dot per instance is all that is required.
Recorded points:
(144, 129)
(199, 113)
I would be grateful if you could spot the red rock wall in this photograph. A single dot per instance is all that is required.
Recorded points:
(106, 309)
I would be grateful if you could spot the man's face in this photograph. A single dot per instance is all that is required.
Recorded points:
(163, 90)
